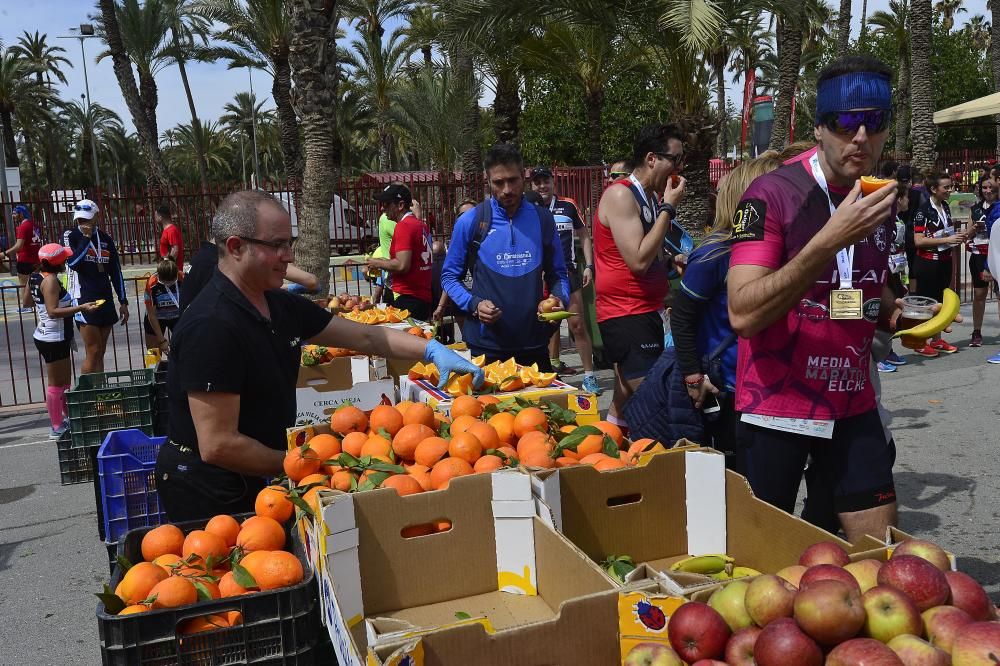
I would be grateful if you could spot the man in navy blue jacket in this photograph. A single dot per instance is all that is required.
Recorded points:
(519, 250)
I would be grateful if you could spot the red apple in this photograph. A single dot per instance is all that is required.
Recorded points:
(709, 662)
(782, 643)
(829, 611)
(729, 602)
(970, 596)
(792, 574)
(651, 654)
(890, 613)
(865, 572)
(977, 644)
(768, 598)
(824, 552)
(931, 552)
(918, 652)
(739, 649)
(862, 652)
(827, 572)
(917, 578)
(697, 631)
(943, 623)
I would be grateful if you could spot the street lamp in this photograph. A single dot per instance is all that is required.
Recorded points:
(86, 31)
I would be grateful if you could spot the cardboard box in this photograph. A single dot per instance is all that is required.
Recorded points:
(678, 504)
(869, 547)
(398, 368)
(352, 380)
(582, 403)
(481, 592)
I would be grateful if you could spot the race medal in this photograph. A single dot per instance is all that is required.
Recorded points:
(846, 304)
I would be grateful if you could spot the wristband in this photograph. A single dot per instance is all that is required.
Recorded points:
(667, 208)
(590, 266)
(701, 380)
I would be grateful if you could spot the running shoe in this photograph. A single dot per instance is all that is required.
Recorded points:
(995, 359)
(977, 339)
(885, 367)
(25, 310)
(944, 347)
(56, 433)
(927, 351)
(895, 359)
(591, 386)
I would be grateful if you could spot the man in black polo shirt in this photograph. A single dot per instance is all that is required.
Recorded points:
(235, 359)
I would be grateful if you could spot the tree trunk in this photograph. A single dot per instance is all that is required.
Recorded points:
(29, 152)
(195, 123)
(923, 135)
(843, 27)
(288, 125)
(426, 51)
(700, 131)
(902, 104)
(9, 145)
(149, 98)
(472, 158)
(384, 140)
(719, 59)
(313, 57)
(507, 107)
(158, 172)
(864, 21)
(995, 57)
(594, 103)
(789, 58)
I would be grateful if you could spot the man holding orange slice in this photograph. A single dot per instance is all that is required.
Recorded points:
(807, 289)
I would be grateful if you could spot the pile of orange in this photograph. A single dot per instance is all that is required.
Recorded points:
(387, 315)
(414, 449)
(500, 377)
(225, 559)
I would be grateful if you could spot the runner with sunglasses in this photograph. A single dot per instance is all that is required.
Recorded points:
(807, 289)
(96, 272)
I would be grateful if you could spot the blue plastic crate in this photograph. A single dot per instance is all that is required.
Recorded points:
(126, 465)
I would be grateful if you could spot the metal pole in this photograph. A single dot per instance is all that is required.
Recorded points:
(253, 122)
(4, 193)
(243, 159)
(90, 117)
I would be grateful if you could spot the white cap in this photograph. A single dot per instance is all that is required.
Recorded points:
(85, 209)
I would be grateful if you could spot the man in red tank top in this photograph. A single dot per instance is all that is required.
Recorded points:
(631, 266)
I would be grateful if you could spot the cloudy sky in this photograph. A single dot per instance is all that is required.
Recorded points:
(212, 84)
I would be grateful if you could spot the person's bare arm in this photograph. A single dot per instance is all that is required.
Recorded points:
(216, 421)
(399, 264)
(638, 250)
(930, 241)
(50, 295)
(18, 244)
(154, 322)
(374, 340)
(295, 274)
(760, 296)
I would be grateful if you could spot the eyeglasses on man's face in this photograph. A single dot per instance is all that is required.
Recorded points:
(277, 245)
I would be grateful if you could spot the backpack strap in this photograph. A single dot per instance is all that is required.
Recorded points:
(481, 227)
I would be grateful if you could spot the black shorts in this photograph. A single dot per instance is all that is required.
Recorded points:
(104, 316)
(53, 351)
(165, 325)
(419, 310)
(977, 264)
(854, 469)
(575, 279)
(190, 489)
(933, 277)
(25, 268)
(633, 342)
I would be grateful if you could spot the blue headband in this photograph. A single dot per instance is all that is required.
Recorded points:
(856, 90)
(22, 210)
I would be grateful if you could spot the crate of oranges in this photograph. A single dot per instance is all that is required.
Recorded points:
(226, 590)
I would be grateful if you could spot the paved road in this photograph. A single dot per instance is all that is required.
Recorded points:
(945, 423)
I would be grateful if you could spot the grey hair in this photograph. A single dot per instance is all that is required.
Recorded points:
(237, 215)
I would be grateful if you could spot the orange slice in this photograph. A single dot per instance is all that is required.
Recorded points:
(870, 185)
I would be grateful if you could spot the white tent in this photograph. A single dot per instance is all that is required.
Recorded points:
(984, 106)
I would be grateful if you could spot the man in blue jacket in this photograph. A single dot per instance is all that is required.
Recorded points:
(513, 246)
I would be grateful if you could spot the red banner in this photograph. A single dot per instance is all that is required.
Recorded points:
(749, 88)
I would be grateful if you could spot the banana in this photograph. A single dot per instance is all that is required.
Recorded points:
(555, 316)
(745, 572)
(722, 575)
(703, 564)
(937, 323)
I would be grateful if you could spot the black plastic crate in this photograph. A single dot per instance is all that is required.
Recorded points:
(161, 402)
(280, 627)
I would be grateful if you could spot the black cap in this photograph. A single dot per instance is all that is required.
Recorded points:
(394, 192)
(541, 172)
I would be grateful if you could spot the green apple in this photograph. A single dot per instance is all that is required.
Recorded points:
(730, 603)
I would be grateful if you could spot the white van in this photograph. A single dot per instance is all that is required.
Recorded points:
(350, 233)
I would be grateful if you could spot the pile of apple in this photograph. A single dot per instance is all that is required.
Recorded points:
(910, 610)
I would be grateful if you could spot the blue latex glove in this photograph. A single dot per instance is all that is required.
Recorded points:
(447, 361)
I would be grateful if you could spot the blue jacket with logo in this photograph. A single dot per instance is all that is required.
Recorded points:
(89, 253)
(514, 257)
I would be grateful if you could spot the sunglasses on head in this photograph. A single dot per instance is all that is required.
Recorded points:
(849, 122)
(84, 207)
(614, 175)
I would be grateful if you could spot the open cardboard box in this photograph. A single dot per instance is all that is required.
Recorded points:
(869, 547)
(679, 503)
(475, 593)
(350, 380)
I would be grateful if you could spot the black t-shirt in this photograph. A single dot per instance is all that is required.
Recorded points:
(200, 274)
(223, 344)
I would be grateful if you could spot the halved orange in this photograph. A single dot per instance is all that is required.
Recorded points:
(870, 184)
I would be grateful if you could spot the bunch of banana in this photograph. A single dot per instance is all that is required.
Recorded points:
(940, 321)
(703, 564)
(735, 572)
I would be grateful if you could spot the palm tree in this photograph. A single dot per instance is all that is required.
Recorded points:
(843, 27)
(46, 62)
(87, 126)
(978, 29)
(33, 116)
(422, 31)
(370, 16)
(949, 9)
(719, 55)
(123, 157)
(923, 134)
(994, 7)
(895, 25)
(377, 67)
(187, 150)
(864, 22)
(257, 35)
(790, 25)
(15, 81)
(158, 172)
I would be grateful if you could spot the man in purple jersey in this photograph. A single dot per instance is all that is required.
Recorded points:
(806, 292)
